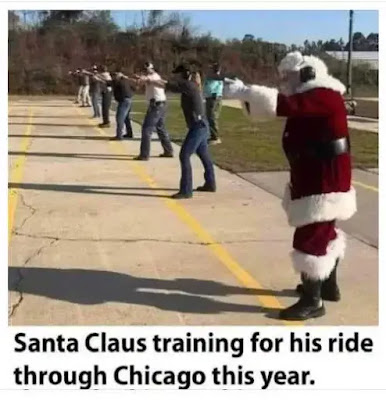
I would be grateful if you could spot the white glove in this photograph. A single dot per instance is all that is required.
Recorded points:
(234, 89)
(262, 102)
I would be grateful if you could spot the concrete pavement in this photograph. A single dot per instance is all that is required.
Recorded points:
(363, 123)
(367, 98)
(363, 225)
(96, 240)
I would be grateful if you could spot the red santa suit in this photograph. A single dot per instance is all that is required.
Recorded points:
(320, 191)
(316, 143)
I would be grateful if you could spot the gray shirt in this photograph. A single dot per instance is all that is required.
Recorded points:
(191, 102)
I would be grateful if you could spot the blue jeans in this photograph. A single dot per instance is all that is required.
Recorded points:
(106, 104)
(123, 117)
(95, 100)
(155, 120)
(196, 141)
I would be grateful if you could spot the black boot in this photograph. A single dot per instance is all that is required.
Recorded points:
(299, 288)
(310, 304)
(206, 188)
(181, 195)
(330, 290)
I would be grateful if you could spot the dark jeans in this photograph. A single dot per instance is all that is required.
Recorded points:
(106, 103)
(213, 109)
(123, 117)
(196, 141)
(155, 120)
(95, 100)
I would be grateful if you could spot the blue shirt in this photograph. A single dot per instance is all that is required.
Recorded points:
(213, 87)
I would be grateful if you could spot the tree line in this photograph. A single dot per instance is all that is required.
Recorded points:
(45, 45)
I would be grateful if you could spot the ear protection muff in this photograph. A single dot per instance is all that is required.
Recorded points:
(186, 74)
(307, 73)
(215, 68)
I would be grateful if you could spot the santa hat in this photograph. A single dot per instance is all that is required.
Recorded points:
(295, 61)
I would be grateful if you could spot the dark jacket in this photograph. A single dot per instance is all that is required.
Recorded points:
(191, 102)
(84, 80)
(95, 85)
(122, 89)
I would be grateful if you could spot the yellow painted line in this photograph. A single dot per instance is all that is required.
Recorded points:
(217, 249)
(360, 184)
(17, 175)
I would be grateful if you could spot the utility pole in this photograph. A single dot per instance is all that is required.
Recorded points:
(143, 14)
(349, 61)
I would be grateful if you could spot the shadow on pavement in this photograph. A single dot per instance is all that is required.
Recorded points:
(103, 138)
(91, 156)
(61, 125)
(82, 286)
(43, 105)
(47, 116)
(86, 189)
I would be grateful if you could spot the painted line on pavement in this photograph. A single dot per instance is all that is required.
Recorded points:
(203, 235)
(369, 187)
(17, 176)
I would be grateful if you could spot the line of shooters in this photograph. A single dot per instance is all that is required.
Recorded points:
(316, 142)
(98, 86)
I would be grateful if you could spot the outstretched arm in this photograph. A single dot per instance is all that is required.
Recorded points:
(87, 72)
(132, 81)
(143, 79)
(103, 77)
(160, 83)
(256, 101)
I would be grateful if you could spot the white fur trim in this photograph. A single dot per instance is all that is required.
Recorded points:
(262, 100)
(316, 63)
(320, 267)
(325, 82)
(320, 207)
(291, 62)
(294, 61)
(234, 89)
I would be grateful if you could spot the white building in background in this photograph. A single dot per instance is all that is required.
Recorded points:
(358, 57)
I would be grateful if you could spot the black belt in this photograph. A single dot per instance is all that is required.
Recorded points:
(324, 150)
(331, 149)
(198, 118)
(157, 103)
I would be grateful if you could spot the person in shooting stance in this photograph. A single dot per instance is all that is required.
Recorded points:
(316, 143)
(196, 140)
(155, 117)
(213, 92)
(123, 88)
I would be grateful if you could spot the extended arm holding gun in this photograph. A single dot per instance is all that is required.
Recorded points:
(143, 79)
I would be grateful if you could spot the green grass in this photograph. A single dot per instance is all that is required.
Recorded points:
(246, 147)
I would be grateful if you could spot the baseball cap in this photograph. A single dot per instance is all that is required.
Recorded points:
(215, 66)
(183, 67)
(148, 65)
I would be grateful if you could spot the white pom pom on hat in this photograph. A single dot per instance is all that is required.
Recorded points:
(319, 66)
(291, 62)
(294, 61)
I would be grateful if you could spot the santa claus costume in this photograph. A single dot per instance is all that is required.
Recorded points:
(316, 143)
